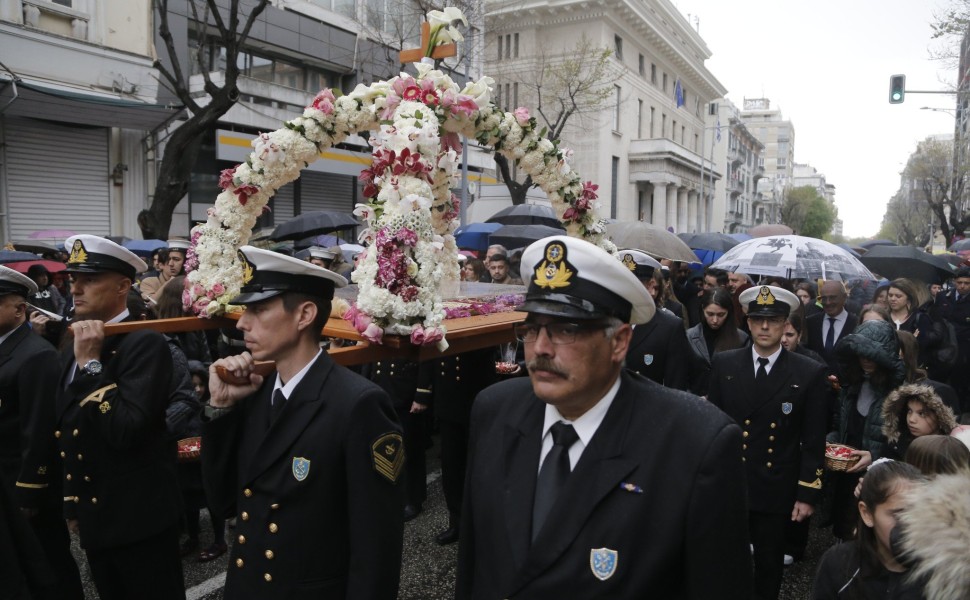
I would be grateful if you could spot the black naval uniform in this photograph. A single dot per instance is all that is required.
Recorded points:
(399, 378)
(660, 484)
(451, 384)
(957, 312)
(316, 495)
(119, 467)
(659, 350)
(783, 421)
(28, 388)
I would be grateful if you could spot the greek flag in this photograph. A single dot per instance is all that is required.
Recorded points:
(717, 129)
(679, 93)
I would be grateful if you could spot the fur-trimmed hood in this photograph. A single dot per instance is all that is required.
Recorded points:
(894, 410)
(935, 534)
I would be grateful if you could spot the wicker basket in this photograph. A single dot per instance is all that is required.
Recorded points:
(835, 463)
(189, 449)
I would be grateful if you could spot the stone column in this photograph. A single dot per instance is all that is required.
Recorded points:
(659, 204)
(693, 224)
(672, 206)
(682, 223)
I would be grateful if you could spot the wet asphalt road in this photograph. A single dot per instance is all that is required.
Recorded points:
(428, 570)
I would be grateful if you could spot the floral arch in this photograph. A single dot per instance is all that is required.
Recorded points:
(410, 212)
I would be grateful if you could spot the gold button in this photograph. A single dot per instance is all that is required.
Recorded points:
(76, 499)
(392, 372)
(744, 434)
(269, 554)
(773, 426)
(442, 372)
(457, 368)
(274, 506)
(75, 432)
(769, 465)
(241, 539)
(247, 493)
(244, 516)
(94, 500)
(267, 577)
(273, 528)
(743, 459)
(80, 456)
(378, 371)
(67, 477)
(457, 359)
(57, 434)
(771, 438)
(86, 478)
(239, 562)
(63, 455)
(770, 451)
(457, 378)
(747, 421)
(744, 446)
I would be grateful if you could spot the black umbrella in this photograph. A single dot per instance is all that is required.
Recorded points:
(9, 256)
(313, 223)
(893, 262)
(718, 242)
(873, 243)
(526, 214)
(517, 236)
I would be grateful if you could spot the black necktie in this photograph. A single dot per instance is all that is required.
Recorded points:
(552, 476)
(830, 336)
(762, 373)
(279, 401)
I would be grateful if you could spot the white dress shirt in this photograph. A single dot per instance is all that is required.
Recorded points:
(839, 323)
(771, 359)
(294, 381)
(585, 426)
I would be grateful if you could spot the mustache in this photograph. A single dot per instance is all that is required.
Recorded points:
(541, 363)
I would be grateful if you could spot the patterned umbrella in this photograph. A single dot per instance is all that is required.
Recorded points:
(793, 257)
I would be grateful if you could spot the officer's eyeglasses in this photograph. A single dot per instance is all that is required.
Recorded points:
(559, 333)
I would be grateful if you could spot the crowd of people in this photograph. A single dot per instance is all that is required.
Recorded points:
(661, 431)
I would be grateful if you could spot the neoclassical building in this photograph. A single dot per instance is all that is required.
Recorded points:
(646, 145)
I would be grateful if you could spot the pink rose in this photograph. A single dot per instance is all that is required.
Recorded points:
(522, 116)
(433, 335)
(218, 289)
(373, 333)
(417, 335)
(324, 102)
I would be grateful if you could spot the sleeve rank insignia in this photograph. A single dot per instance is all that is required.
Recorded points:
(98, 396)
(388, 455)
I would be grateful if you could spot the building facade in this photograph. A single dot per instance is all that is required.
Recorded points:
(777, 134)
(738, 153)
(805, 175)
(645, 145)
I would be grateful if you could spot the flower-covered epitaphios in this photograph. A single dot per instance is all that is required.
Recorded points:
(410, 213)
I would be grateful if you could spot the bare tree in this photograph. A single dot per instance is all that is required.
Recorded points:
(230, 32)
(562, 88)
(940, 185)
(949, 26)
(907, 220)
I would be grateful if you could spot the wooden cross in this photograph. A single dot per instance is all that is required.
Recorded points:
(416, 54)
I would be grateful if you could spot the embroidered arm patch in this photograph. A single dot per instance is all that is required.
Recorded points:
(388, 455)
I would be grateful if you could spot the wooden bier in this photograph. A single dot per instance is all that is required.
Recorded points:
(439, 52)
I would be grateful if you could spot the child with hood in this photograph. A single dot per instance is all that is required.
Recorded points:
(911, 411)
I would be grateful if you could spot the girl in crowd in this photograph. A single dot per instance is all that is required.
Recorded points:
(871, 369)
(910, 412)
(715, 333)
(938, 455)
(875, 312)
(881, 296)
(791, 339)
(909, 353)
(867, 568)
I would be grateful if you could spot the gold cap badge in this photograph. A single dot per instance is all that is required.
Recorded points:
(629, 263)
(554, 271)
(248, 268)
(765, 297)
(78, 253)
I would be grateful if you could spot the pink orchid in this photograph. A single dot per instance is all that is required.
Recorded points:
(450, 141)
(571, 214)
(465, 106)
(226, 177)
(589, 190)
(522, 116)
(244, 192)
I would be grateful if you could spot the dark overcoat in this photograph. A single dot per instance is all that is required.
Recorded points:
(661, 484)
(319, 511)
(659, 351)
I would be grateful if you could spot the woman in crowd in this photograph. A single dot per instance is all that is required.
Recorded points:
(910, 412)
(905, 300)
(909, 353)
(808, 294)
(192, 343)
(871, 369)
(715, 333)
(474, 270)
(881, 295)
(791, 339)
(866, 568)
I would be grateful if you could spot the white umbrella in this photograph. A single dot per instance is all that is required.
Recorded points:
(793, 257)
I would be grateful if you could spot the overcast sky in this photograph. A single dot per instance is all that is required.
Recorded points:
(826, 65)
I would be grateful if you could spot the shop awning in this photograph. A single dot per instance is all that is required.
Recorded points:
(82, 107)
